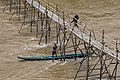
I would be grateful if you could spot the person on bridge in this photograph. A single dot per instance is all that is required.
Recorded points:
(54, 51)
(74, 21)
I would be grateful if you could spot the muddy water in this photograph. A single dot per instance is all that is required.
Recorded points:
(96, 14)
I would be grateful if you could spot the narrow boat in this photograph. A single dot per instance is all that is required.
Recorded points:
(67, 56)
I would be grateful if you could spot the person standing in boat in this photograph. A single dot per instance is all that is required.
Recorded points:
(74, 21)
(54, 51)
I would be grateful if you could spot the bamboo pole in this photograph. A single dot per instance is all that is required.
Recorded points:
(46, 26)
(25, 13)
(88, 56)
(6, 4)
(57, 26)
(19, 10)
(64, 35)
(101, 56)
(38, 16)
(10, 5)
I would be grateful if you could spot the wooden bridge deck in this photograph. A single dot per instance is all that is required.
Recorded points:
(76, 31)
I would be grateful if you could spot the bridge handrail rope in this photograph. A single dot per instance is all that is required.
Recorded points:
(50, 7)
(84, 35)
(108, 40)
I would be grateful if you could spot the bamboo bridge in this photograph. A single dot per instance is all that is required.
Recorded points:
(106, 52)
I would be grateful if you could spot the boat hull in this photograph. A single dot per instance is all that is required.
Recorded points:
(67, 56)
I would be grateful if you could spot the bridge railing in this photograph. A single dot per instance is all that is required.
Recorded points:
(110, 43)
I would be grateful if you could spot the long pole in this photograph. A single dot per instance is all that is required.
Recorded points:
(64, 35)
(101, 56)
(46, 25)
(10, 5)
(19, 9)
(88, 56)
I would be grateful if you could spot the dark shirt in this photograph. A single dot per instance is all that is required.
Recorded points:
(54, 48)
(74, 21)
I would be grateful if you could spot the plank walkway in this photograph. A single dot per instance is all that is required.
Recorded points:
(76, 31)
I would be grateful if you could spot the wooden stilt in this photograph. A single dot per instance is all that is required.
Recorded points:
(64, 35)
(46, 26)
(75, 47)
(31, 22)
(114, 73)
(88, 56)
(19, 10)
(38, 16)
(57, 26)
(10, 5)
(6, 4)
(101, 57)
(25, 14)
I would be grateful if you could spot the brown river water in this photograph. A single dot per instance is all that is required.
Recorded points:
(96, 14)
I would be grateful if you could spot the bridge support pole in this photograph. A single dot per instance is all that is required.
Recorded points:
(46, 26)
(19, 10)
(64, 34)
(101, 56)
(6, 2)
(58, 26)
(11, 5)
(41, 27)
(114, 73)
(31, 15)
(88, 56)
(25, 15)
(38, 17)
